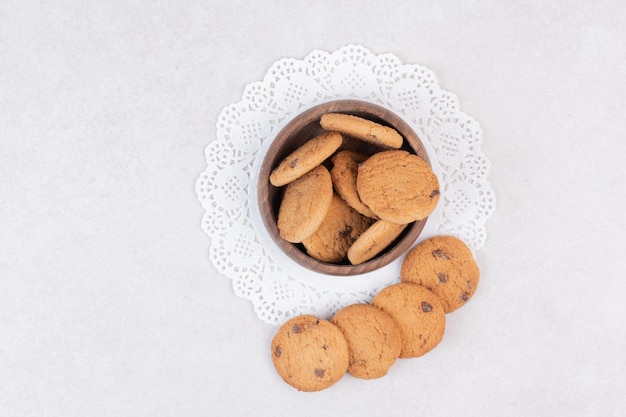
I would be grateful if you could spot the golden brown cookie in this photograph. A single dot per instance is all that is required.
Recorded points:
(373, 241)
(417, 312)
(374, 339)
(309, 155)
(362, 129)
(339, 229)
(343, 173)
(310, 354)
(305, 204)
(398, 186)
(444, 265)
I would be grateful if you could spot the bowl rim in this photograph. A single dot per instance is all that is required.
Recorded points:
(411, 143)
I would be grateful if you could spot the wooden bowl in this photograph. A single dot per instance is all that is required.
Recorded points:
(306, 126)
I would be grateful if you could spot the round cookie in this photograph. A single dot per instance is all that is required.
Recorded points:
(343, 173)
(444, 265)
(363, 129)
(339, 229)
(304, 205)
(373, 241)
(417, 312)
(310, 354)
(374, 339)
(398, 186)
(309, 155)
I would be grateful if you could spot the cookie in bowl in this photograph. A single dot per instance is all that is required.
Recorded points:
(323, 138)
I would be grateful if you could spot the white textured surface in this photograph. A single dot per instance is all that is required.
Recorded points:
(241, 246)
(108, 303)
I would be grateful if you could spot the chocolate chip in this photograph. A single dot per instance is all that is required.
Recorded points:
(296, 329)
(319, 372)
(440, 254)
(434, 194)
(426, 308)
(293, 163)
(277, 351)
(346, 232)
(443, 278)
(324, 346)
(464, 296)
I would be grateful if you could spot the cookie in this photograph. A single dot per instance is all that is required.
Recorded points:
(339, 229)
(444, 265)
(309, 155)
(343, 173)
(398, 186)
(363, 129)
(417, 312)
(374, 339)
(310, 354)
(304, 205)
(373, 241)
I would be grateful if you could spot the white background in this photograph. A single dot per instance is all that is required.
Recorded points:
(109, 305)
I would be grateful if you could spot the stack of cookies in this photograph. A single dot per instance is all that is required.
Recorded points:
(404, 320)
(345, 206)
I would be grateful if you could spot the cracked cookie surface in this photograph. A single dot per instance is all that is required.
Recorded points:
(309, 155)
(445, 265)
(374, 339)
(373, 241)
(398, 186)
(310, 354)
(340, 228)
(343, 173)
(417, 312)
(363, 129)
(304, 205)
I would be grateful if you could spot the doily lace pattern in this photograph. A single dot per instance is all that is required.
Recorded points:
(240, 247)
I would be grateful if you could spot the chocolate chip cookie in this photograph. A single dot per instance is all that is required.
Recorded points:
(374, 339)
(445, 265)
(309, 155)
(417, 312)
(337, 232)
(310, 354)
(343, 173)
(398, 186)
(373, 241)
(363, 129)
(305, 204)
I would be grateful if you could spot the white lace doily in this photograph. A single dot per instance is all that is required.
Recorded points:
(241, 248)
